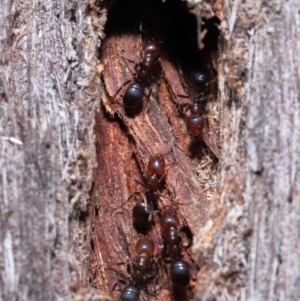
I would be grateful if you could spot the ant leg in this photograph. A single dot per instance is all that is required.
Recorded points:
(206, 126)
(204, 97)
(149, 211)
(133, 72)
(207, 133)
(122, 86)
(146, 287)
(148, 97)
(183, 96)
(159, 194)
(184, 133)
(163, 177)
(122, 204)
(137, 181)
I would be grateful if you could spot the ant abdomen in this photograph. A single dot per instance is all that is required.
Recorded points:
(130, 293)
(198, 79)
(133, 97)
(180, 273)
(195, 125)
(139, 213)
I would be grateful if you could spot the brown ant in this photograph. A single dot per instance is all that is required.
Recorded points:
(154, 175)
(170, 233)
(179, 270)
(156, 172)
(198, 81)
(140, 266)
(146, 72)
(195, 83)
(196, 121)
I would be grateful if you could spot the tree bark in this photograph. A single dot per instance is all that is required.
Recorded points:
(50, 90)
(250, 250)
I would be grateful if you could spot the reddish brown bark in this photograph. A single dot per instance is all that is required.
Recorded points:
(124, 146)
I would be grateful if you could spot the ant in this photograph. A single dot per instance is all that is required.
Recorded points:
(130, 293)
(141, 265)
(179, 270)
(154, 175)
(198, 81)
(140, 213)
(170, 233)
(156, 172)
(146, 71)
(196, 122)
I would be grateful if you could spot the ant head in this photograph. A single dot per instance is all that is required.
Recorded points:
(145, 246)
(152, 48)
(156, 165)
(169, 219)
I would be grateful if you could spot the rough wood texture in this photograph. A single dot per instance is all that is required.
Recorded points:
(250, 250)
(49, 90)
(123, 153)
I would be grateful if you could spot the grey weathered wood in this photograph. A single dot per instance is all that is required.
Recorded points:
(250, 251)
(49, 90)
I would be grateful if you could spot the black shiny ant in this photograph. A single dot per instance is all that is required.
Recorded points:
(130, 293)
(140, 213)
(198, 80)
(142, 216)
(146, 72)
(180, 273)
(141, 266)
